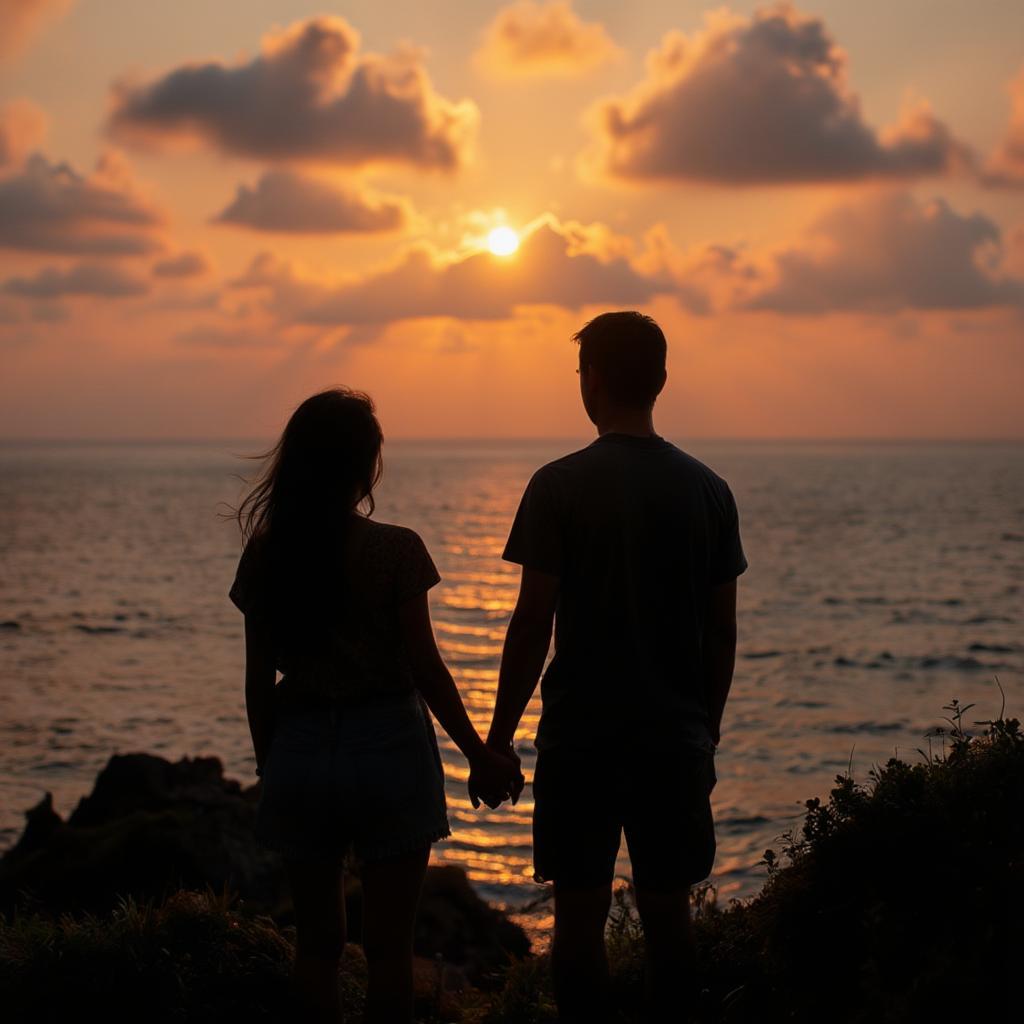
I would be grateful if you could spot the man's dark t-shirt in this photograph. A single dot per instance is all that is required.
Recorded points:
(638, 532)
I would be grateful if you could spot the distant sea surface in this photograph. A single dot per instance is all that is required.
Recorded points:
(884, 579)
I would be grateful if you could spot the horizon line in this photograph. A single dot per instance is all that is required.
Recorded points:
(537, 439)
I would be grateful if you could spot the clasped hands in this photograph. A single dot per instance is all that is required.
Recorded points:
(494, 776)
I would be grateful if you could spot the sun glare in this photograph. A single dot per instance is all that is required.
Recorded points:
(502, 241)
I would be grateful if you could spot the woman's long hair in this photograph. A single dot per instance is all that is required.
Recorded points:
(322, 469)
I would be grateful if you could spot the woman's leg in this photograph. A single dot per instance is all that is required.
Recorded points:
(319, 900)
(391, 892)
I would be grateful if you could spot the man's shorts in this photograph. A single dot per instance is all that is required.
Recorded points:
(365, 779)
(660, 798)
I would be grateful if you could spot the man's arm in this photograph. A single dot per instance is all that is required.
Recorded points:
(719, 652)
(526, 646)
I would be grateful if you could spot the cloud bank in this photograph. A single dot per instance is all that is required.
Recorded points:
(758, 100)
(308, 96)
(891, 252)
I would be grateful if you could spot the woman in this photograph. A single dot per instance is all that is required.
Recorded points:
(347, 753)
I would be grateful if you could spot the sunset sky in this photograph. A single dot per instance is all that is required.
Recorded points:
(210, 210)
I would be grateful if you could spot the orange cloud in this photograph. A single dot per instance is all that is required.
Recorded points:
(308, 96)
(48, 207)
(557, 264)
(1006, 165)
(22, 19)
(754, 100)
(286, 201)
(22, 127)
(529, 39)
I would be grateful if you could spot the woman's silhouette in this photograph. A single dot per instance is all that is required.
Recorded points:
(347, 753)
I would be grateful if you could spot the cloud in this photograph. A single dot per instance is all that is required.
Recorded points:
(85, 279)
(562, 264)
(308, 96)
(758, 100)
(185, 264)
(22, 127)
(287, 201)
(1006, 165)
(529, 39)
(891, 252)
(51, 208)
(22, 19)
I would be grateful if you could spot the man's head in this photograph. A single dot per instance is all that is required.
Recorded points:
(622, 363)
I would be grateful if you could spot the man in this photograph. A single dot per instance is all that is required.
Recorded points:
(635, 545)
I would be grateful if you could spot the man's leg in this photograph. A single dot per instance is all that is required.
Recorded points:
(670, 835)
(576, 836)
(579, 961)
(670, 968)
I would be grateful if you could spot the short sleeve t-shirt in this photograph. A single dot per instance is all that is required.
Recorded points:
(365, 656)
(638, 533)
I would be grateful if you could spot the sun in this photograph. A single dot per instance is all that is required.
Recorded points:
(502, 241)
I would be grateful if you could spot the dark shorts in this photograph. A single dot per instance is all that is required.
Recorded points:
(660, 798)
(367, 779)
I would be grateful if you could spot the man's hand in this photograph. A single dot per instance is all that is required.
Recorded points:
(495, 776)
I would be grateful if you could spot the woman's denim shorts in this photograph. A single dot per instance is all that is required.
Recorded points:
(367, 778)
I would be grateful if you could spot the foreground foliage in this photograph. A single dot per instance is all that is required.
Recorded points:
(898, 901)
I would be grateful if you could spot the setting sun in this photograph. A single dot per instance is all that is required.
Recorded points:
(502, 241)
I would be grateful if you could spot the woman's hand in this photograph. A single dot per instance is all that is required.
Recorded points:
(495, 776)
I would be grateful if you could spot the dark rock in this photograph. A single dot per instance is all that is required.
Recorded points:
(454, 922)
(151, 826)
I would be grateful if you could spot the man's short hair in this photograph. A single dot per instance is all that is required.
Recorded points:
(628, 350)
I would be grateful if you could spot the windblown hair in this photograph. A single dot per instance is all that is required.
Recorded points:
(294, 518)
(628, 349)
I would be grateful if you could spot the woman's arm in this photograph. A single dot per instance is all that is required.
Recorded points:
(496, 775)
(260, 680)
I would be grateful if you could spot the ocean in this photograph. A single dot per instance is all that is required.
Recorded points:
(885, 579)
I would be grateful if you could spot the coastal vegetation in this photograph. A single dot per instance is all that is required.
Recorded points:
(897, 900)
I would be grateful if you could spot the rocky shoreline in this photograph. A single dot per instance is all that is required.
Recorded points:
(151, 827)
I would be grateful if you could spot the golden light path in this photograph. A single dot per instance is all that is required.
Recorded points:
(502, 241)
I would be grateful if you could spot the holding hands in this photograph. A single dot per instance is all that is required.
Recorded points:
(495, 776)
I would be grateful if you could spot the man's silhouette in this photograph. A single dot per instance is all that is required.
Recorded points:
(632, 547)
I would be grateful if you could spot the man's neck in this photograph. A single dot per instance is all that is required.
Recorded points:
(636, 423)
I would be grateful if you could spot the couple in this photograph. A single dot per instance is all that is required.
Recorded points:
(630, 548)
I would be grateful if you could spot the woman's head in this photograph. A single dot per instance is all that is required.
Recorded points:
(325, 464)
